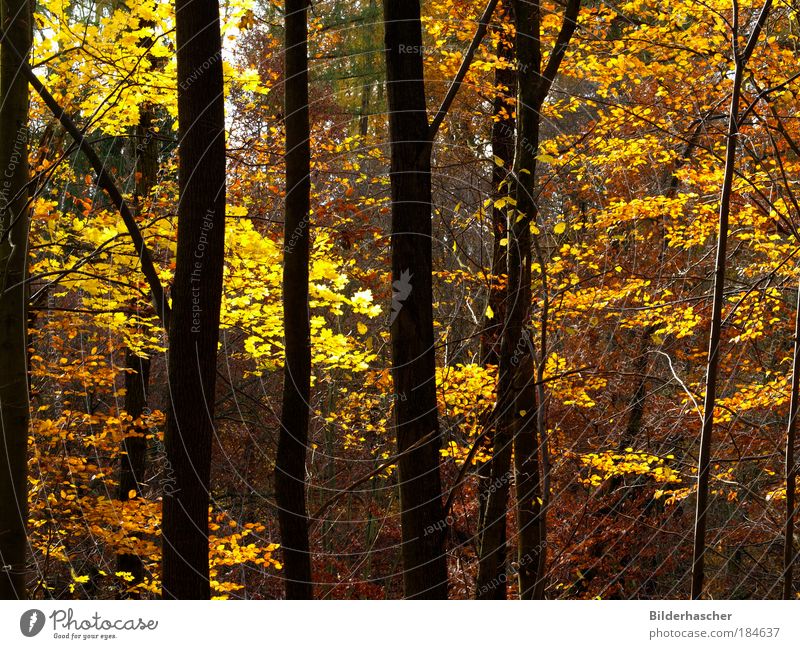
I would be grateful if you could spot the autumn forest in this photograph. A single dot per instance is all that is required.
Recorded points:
(438, 299)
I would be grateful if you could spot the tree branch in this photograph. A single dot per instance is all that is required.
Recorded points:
(107, 182)
(317, 516)
(568, 27)
(751, 42)
(483, 25)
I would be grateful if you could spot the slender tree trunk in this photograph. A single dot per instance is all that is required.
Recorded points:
(134, 448)
(712, 363)
(530, 435)
(491, 582)
(637, 401)
(515, 413)
(290, 465)
(197, 292)
(520, 420)
(146, 147)
(15, 17)
(363, 117)
(523, 418)
(789, 554)
(503, 131)
(413, 354)
(706, 434)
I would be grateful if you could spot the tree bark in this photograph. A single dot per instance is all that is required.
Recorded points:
(789, 554)
(704, 462)
(15, 17)
(197, 293)
(290, 464)
(519, 418)
(134, 448)
(413, 354)
(503, 131)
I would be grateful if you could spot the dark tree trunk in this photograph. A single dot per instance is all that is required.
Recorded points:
(134, 447)
(197, 292)
(704, 462)
(290, 464)
(522, 419)
(413, 354)
(636, 407)
(790, 469)
(712, 364)
(363, 117)
(503, 132)
(519, 419)
(14, 223)
(491, 583)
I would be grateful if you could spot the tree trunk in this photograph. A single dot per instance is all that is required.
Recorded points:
(503, 130)
(704, 464)
(290, 464)
(519, 421)
(363, 116)
(134, 448)
(413, 354)
(522, 418)
(790, 467)
(14, 223)
(197, 292)
(704, 461)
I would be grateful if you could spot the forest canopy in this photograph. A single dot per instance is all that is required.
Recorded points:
(359, 300)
